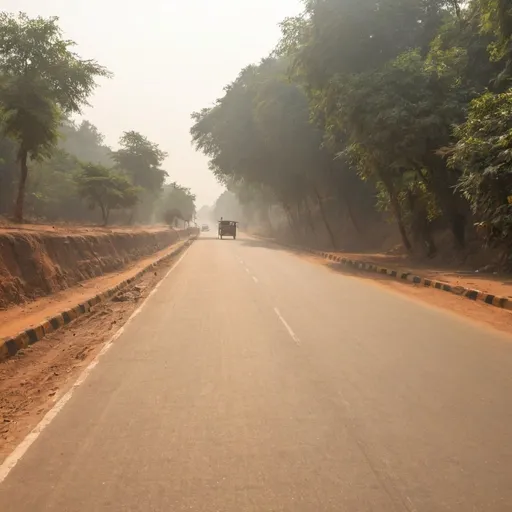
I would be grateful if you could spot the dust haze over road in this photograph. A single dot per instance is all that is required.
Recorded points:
(254, 380)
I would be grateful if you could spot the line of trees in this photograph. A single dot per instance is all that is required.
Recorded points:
(370, 109)
(52, 168)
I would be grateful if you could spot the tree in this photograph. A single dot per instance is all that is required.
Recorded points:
(52, 190)
(355, 113)
(8, 174)
(395, 119)
(496, 19)
(41, 79)
(106, 189)
(172, 215)
(484, 154)
(177, 202)
(29, 117)
(259, 134)
(86, 142)
(142, 159)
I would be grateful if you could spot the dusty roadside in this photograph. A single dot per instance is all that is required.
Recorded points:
(487, 282)
(75, 229)
(33, 380)
(18, 318)
(478, 312)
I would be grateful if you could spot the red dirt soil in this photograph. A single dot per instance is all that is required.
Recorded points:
(494, 283)
(36, 377)
(38, 261)
(20, 317)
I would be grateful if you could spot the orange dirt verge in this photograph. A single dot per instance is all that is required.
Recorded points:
(495, 284)
(37, 262)
(476, 312)
(486, 282)
(18, 318)
(34, 379)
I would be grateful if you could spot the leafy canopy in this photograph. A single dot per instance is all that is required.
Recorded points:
(142, 159)
(484, 154)
(105, 188)
(34, 48)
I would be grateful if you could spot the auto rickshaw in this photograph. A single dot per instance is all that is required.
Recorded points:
(227, 228)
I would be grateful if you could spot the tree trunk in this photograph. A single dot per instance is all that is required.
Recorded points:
(351, 215)
(291, 221)
(443, 188)
(265, 215)
(347, 200)
(18, 210)
(309, 217)
(420, 224)
(397, 212)
(104, 214)
(324, 218)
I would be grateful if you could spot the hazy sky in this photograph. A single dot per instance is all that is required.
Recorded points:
(169, 58)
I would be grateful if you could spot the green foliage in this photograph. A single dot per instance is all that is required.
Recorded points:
(43, 82)
(106, 189)
(228, 206)
(52, 189)
(8, 173)
(177, 202)
(142, 159)
(40, 78)
(86, 142)
(496, 20)
(28, 115)
(355, 112)
(484, 154)
(34, 48)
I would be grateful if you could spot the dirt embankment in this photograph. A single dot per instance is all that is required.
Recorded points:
(38, 263)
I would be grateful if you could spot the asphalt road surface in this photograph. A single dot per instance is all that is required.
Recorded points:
(256, 380)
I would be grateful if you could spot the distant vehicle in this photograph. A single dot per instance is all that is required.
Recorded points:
(205, 227)
(227, 228)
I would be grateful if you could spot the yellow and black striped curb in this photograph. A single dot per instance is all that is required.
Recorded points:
(469, 293)
(10, 346)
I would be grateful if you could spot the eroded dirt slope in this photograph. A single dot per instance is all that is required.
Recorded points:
(38, 263)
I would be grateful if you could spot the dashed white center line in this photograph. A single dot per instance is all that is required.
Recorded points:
(288, 328)
(255, 279)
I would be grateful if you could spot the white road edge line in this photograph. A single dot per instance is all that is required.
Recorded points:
(10, 462)
(288, 328)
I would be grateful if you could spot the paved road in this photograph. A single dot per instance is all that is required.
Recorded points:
(254, 380)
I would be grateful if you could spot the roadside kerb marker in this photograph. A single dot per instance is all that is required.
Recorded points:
(10, 346)
(469, 293)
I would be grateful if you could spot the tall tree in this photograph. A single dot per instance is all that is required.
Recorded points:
(142, 159)
(484, 154)
(178, 202)
(106, 189)
(85, 141)
(41, 79)
(496, 17)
